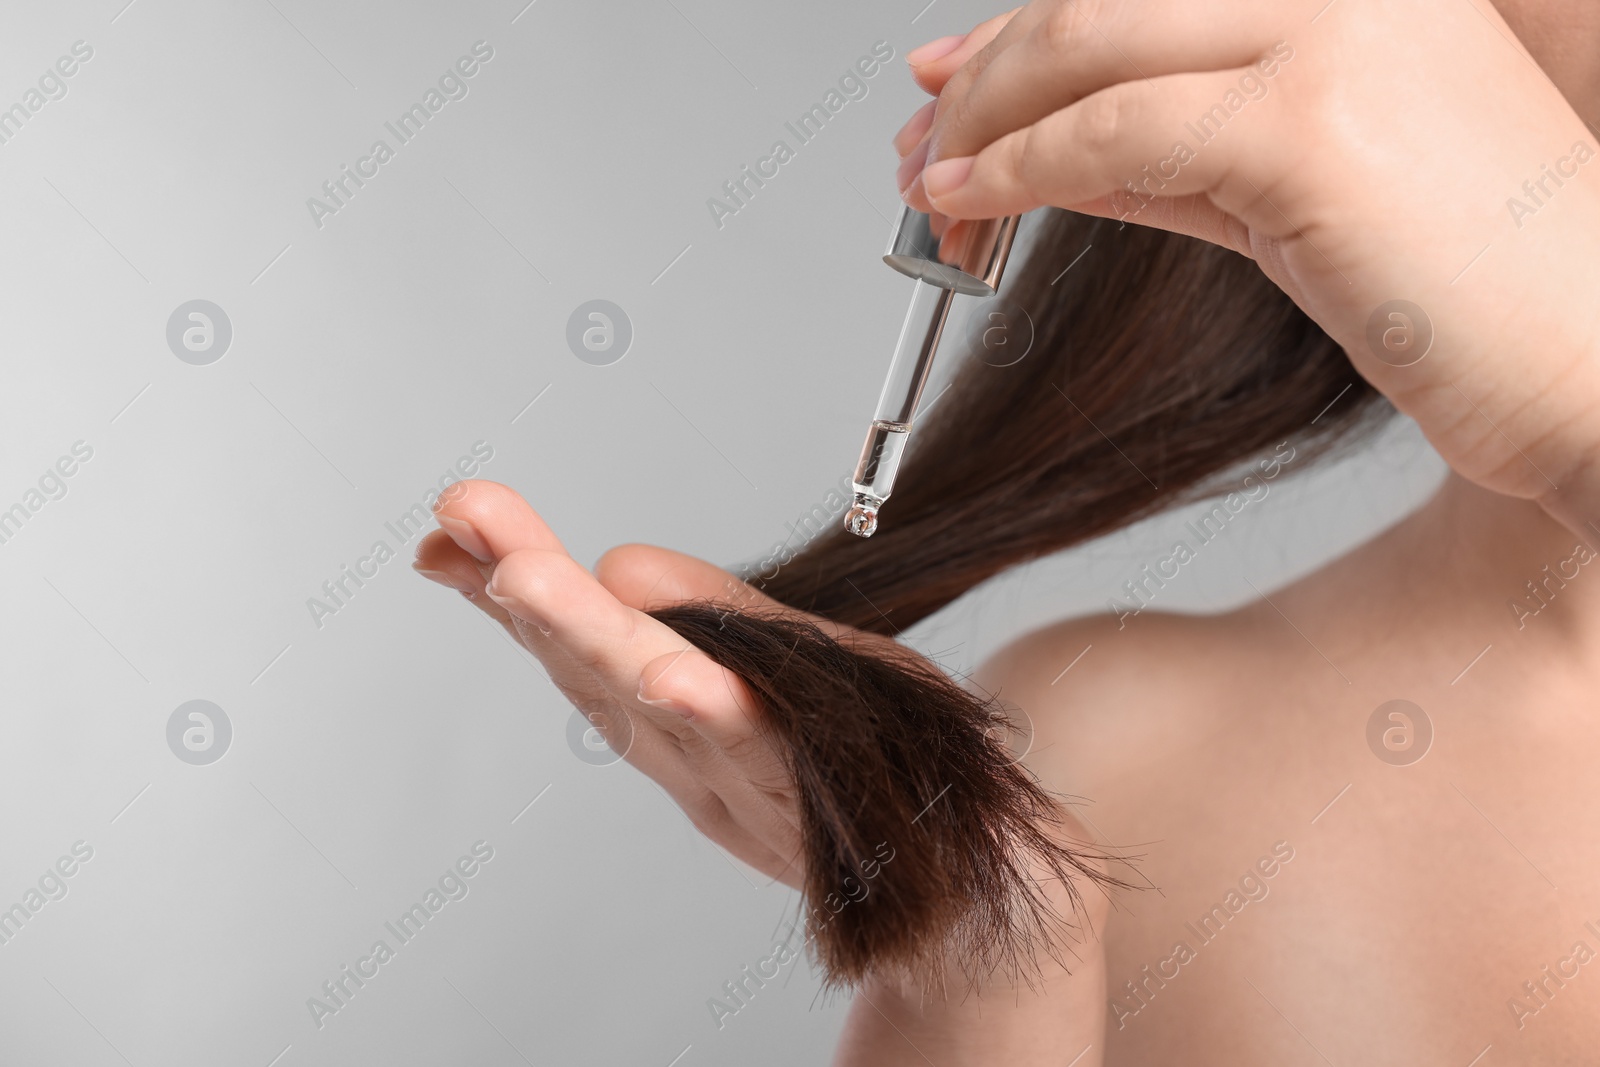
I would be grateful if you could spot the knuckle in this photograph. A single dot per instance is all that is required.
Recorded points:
(743, 749)
(1061, 31)
(1033, 164)
(682, 734)
(956, 86)
(587, 658)
(1101, 120)
(948, 119)
(527, 570)
(979, 61)
(708, 814)
(954, 108)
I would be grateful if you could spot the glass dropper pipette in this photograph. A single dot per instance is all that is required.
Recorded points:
(970, 258)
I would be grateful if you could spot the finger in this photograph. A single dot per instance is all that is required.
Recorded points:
(550, 591)
(939, 46)
(722, 828)
(484, 519)
(711, 698)
(915, 129)
(720, 822)
(741, 764)
(667, 761)
(633, 657)
(489, 520)
(1069, 54)
(651, 738)
(985, 40)
(654, 750)
(1122, 142)
(911, 166)
(932, 68)
(678, 682)
(646, 577)
(953, 239)
(479, 521)
(1193, 216)
(441, 560)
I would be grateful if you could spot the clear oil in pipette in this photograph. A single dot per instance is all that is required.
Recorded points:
(880, 459)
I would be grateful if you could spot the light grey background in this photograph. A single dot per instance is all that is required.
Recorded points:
(367, 356)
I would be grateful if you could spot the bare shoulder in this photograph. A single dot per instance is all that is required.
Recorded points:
(1104, 695)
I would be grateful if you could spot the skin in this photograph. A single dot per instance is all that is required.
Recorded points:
(1205, 740)
(1375, 165)
(1406, 904)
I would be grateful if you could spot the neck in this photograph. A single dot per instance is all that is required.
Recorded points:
(1469, 551)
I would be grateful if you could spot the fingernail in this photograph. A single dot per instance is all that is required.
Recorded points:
(911, 166)
(438, 576)
(913, 195)
(936, 49)
(646, 684)
(516, 605)
(946, 176)
(467, 536)
(906, 138)
(664, 703)
(452, 492)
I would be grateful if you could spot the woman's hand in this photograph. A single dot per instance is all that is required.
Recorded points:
(694, 728)
(1363, 154)
(664, 705)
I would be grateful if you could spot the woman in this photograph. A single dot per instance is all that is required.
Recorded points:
(1415, 178)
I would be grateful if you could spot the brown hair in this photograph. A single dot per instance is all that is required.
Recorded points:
(1159, 364)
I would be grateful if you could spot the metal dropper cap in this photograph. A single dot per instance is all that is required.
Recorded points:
(969, 258)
